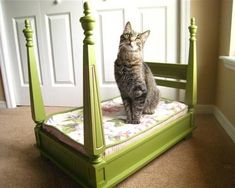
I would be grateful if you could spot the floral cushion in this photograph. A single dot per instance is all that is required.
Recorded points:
(70, 124)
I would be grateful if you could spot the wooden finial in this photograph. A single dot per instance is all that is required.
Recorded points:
(87, 8)
(28, 33)
(88, 23)
(193, 21)
(193, 29)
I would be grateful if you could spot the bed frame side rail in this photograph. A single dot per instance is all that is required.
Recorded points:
(169, 75)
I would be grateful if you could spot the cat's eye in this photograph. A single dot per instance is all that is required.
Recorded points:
(126, 35)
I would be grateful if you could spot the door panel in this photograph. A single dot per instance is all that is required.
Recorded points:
(155, 48)
(60, 48)
(106, 19)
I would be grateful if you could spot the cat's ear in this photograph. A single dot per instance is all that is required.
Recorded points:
(144, 35)
(127, 28)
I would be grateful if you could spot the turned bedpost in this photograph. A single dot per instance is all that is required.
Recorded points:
(36, 101)
(93, 131)
(191, 86)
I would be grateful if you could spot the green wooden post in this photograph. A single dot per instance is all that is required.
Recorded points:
(191, 86)
(37, 106)
(93, 131)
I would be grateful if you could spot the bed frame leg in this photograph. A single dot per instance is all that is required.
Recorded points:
(191, 85)
(93, 131)
(36, 101)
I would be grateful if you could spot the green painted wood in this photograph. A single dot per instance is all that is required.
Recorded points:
(142, 152)
(191, 86)
(93, 133)
(36, 101)
(119, 165)
(69, 160)
(168, 70)
(171, 83)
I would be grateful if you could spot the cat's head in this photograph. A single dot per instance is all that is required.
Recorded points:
(132, 41)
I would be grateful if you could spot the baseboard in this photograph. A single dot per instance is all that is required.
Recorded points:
(221, 118)
(225, 123)
(3, 104)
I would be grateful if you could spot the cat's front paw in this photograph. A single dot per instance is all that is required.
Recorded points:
(133, 122)
(128, 121)
(148, 111)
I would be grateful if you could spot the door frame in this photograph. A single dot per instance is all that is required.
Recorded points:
(6, 69)
(5, 65)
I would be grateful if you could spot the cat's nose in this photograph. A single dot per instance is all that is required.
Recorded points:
(132, 39)
(132, 44)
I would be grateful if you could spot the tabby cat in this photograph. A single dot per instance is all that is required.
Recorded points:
(134, 78)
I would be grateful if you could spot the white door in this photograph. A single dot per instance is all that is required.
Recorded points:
(160, 17)
(58, 43)
(58, 46)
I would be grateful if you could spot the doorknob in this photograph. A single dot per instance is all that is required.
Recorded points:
(56, 2)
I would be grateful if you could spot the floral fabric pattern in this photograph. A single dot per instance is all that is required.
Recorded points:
(115, 129)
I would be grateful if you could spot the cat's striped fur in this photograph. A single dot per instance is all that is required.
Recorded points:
(134, 78)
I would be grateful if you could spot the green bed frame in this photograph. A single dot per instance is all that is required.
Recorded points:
(95, 169)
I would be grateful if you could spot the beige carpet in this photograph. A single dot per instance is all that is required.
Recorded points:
(207, 160)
